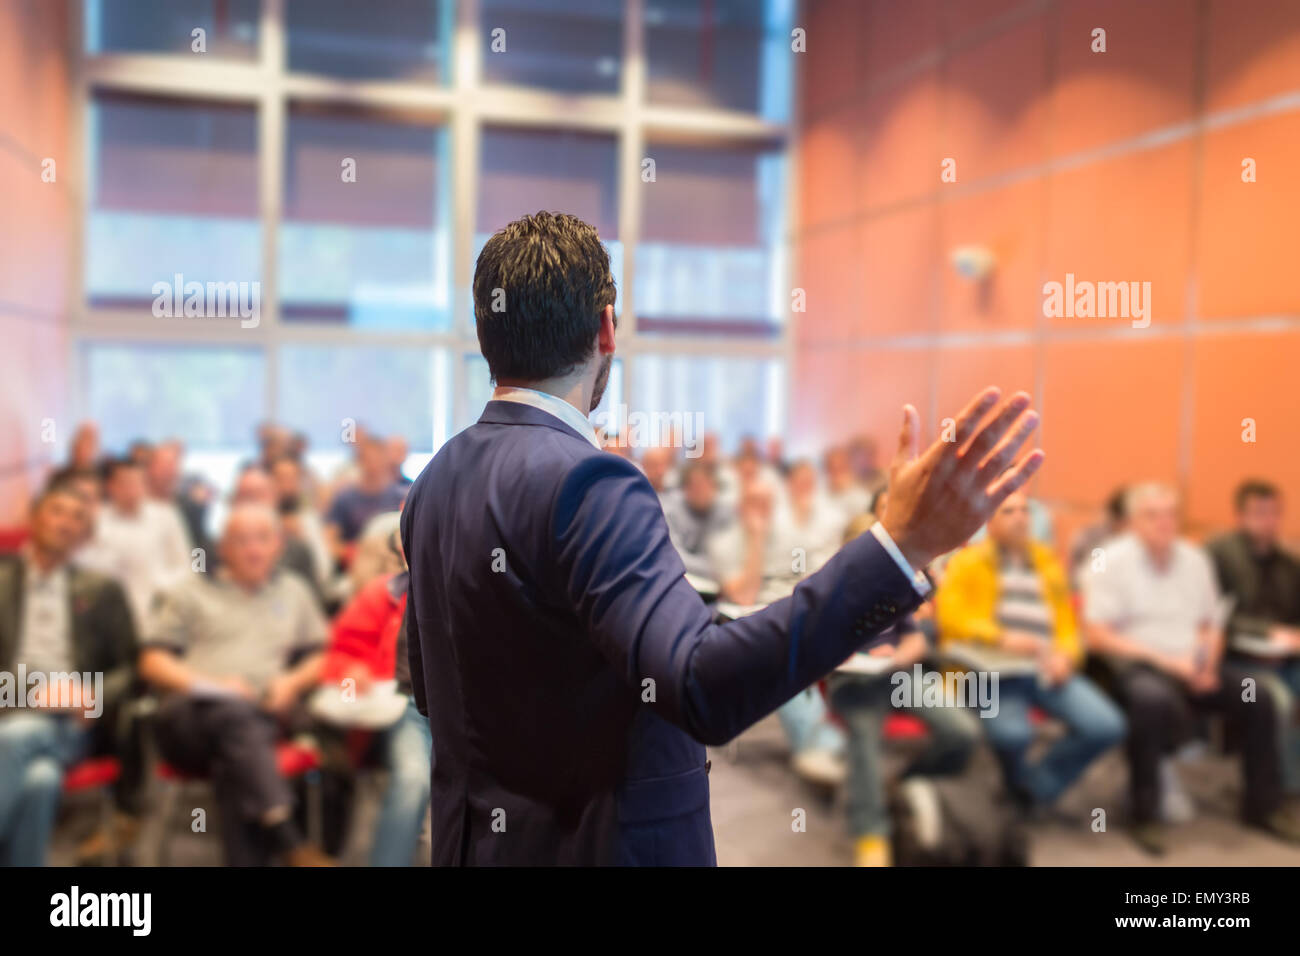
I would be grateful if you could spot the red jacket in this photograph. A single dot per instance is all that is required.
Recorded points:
(365, 632)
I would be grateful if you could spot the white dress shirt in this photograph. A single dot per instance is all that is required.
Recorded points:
(551, 404)
(45, 631)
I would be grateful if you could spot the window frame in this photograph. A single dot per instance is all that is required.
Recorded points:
(465, 105)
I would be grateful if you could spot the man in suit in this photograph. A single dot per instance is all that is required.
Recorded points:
(58, 626)
(570, 673)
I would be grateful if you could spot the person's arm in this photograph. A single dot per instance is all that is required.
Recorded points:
(625, 581)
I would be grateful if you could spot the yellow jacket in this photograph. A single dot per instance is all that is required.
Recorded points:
(966, 601)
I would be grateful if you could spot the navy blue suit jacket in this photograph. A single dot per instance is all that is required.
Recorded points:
(570, 674)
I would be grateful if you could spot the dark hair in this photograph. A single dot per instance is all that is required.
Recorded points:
(1117, 504)
(61, 482)
(1254, 488)
(548, 277)
(112, 466)
(693, 467)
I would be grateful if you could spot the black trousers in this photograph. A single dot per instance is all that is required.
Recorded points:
(232, 742)
(1162, 714)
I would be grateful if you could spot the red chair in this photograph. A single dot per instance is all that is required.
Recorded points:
(96, 773)
(293, 758)
(12, 540)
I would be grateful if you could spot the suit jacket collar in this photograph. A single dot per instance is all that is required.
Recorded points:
(516, 413)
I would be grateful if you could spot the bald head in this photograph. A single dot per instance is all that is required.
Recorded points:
(254, 487)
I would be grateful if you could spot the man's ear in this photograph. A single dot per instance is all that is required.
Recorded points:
(605, 337)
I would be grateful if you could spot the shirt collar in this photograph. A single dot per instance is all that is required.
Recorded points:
(33, 573)
(551, 404)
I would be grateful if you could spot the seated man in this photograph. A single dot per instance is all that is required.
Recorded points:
(233, 653)
(61, 625)
(139, 542)
(1151, 608)
(864, 701)
(697, 519)
(764, 555)
(1006, 600)
(368, 644)
(374, 492)
(1263, 580)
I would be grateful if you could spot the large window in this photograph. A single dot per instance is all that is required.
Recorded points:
(366, 236)
(334, 167)
(173, 191)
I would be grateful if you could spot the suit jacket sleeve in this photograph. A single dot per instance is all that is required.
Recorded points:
(624, 580)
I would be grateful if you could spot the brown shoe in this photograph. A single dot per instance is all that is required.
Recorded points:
(306, 854)
(109, 840)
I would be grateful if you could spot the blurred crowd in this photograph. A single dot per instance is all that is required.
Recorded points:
(251, 638)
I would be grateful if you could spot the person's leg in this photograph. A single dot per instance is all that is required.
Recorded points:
(1257, 722)
(860, 706)
(1286, 690)
(32, 823)
(35, 750)
(954, 735)
(1093, 724)
(408, 749)
(806, 723)
(246, 778)
(1010, 735)
(1156, 710)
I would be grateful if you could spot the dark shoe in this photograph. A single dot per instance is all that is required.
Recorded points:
(304, 854)
(1281, 825)
(1150, 837)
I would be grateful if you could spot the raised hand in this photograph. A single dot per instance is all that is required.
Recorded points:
(938, 499)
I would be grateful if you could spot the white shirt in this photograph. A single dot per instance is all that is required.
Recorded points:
(147, 553)
(45, 632)
(1162, 609)
(551, 404)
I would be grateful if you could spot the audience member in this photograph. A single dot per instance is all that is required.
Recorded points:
(374, 492)
(864, 701)
(1151, 608)
(1262, 580)
(71, 636)
(368, 645)
(1006, 600)
(138, 541)
(234, 653)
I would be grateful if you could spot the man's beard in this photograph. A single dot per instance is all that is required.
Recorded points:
(602, 380)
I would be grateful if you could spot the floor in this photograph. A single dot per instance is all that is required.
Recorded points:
(756, 801)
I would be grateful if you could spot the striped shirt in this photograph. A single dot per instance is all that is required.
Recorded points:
(1021, 605)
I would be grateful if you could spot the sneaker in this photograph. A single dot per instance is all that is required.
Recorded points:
(1176, 804)
(819, 766)
(872, 851)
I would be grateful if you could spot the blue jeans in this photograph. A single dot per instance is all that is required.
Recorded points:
(35, 749)
(1093, 723)
(864, 703)
(807, 725)
(407, 753)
